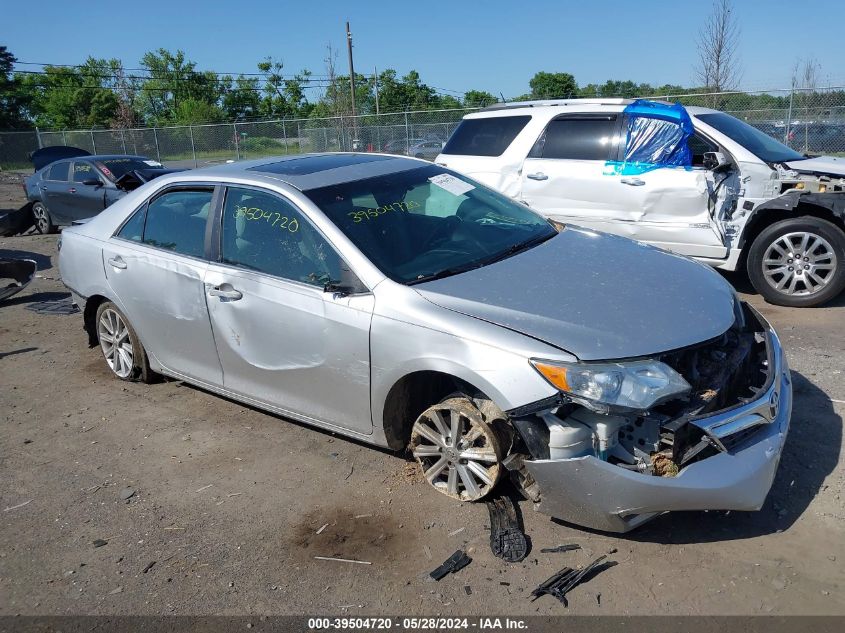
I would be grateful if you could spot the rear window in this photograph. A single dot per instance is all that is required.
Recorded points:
(59, 171)
(485, 137)
(577, 139)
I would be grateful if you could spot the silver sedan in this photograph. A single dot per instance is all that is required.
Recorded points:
(399, 303)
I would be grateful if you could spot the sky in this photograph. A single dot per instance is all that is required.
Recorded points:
(455, 46)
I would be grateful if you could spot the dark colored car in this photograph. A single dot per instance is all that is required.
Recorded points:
(70, 184)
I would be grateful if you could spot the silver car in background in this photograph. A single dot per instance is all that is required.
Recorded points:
(399, 303)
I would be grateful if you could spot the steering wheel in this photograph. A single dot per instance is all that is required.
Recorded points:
(448, 227)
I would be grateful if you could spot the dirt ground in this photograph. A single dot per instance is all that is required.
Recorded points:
(228, 501)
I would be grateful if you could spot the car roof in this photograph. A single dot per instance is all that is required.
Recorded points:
(311, 171)
(547, 106)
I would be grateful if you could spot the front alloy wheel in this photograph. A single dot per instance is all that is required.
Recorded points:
(798, 262)
(457, 450)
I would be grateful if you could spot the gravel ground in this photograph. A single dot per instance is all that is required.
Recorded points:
(226, 502)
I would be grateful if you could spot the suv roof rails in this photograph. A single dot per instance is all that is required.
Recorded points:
(556, 102)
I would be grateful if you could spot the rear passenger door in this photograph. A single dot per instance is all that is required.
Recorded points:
(78, 199)
(54, 186)
(563, 176)
(155, 264)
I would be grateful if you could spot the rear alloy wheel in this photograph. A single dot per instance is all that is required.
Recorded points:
(457, 450)
(41, 217)
(120, 345)
(798, 262)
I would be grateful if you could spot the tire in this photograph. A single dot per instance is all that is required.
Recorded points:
(468, 466)
(41, 217)
(130, 361)
(774, 269)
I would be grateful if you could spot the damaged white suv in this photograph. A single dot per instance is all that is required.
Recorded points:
(694, 181)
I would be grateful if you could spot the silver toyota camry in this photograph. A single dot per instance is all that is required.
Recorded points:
(399, 303)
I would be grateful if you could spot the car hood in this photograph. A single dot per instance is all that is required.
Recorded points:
(832, 165)
(595, 295)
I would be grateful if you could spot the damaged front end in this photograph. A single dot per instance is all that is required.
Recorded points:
(713, 443)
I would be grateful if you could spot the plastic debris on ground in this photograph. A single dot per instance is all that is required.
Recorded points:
(567, 579)
(454, 563)
(507, 539)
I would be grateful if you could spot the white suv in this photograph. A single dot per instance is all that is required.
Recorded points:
(695, 181)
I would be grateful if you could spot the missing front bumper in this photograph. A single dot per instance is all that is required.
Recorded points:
(596, 494)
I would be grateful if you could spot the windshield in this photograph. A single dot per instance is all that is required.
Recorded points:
(428, 222)
(758, 143)
(117, 167)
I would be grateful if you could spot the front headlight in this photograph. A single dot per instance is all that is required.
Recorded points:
(633, 385)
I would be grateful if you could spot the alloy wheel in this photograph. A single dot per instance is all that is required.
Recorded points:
(457, 451)
(42, 222)
(116, 343)
(799, 263)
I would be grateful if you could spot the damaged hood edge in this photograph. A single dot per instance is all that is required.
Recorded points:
(825, 165)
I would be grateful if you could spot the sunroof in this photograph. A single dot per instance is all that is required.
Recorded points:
(313, 164)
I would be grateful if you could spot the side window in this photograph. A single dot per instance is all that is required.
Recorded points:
(134, 228)
(176, 221)
(698, 146)
(265, 233)
(575, 138)
(59, 171)
(485, 137)
(83, 171)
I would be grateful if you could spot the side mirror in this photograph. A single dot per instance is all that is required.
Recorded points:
(93, 182)
(716, 162)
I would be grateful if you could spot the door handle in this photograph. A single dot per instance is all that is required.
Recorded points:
(117, 262)
(230, 294)
(538, 176)
(72, 190)
(634, 182)
(43, 187)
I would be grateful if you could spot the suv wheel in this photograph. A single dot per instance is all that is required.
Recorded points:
(799, 262)
(458, 451)
(41, 217)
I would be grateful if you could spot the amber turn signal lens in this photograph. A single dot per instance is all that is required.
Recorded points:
(554, 374)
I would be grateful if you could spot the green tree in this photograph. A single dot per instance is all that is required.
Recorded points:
(172, 80)
(283, 96)
(478, 99)
(552, 85)
(242, 98)
(68, 97)
(13, 102)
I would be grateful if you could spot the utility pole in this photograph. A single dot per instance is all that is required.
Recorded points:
(351, 67)
(351, 85)
(375, 78)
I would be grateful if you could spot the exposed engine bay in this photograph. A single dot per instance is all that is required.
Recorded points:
(723, 373)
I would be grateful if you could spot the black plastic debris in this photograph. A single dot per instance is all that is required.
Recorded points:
(454, 563)
(567, 578)
(15, 275)
(560, 548)
(507, 540)
(99, 542)
(53, 306)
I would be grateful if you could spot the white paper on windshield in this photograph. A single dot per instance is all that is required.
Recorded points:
(152, 163)
(451, 184)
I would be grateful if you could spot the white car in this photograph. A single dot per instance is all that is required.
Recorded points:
(694, 181)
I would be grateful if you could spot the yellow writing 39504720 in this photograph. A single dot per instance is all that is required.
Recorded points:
(270, 217)
(370, 214)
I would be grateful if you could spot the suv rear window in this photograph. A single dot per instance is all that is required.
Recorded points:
(485, 137)
(587, 138)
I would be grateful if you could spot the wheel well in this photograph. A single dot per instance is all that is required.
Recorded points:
(766, 217)
(89, 317)
(412, 395)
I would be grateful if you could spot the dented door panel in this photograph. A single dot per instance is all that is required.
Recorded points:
(292, 346)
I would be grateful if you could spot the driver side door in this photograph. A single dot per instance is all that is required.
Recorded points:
(282, 340)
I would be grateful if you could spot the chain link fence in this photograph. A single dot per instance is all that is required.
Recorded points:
(810, 121)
